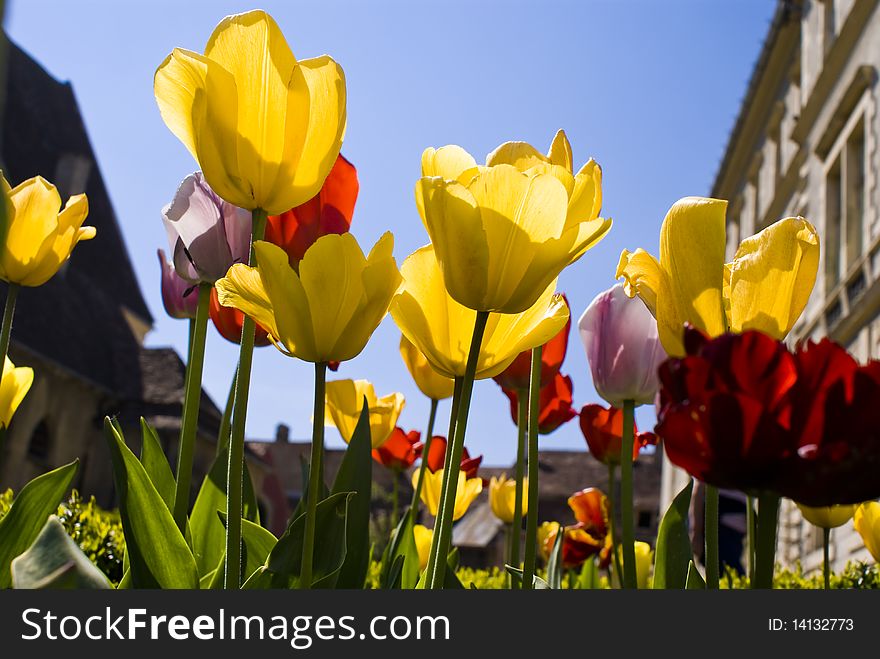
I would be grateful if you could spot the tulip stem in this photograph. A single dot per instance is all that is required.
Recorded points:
(710, 531)
(612, 524)
(522, 420)
(453, 416)
(223, 434)
(437, 571)
(626, 495)
(191, 400)
(531, 548)
(395, 494)
(417, 492)
(8, 312)
(316, 478)
(235, 468)
(826, 562)
(765, 548)
(750, 522)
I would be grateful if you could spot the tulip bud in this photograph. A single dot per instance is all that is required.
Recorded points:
(828, 517)
(206, 234)
(623, 348)
(423, 536)
(867, 523)
(502, 497)
(178, 297)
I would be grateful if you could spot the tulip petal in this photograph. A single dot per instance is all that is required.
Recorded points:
(692, 242)
(642, 276)
(35, 222)
(772, 276)
(521, 155)
(15, 383)
(242, 289)
(585, 199)
(447, 162)
(560, 151)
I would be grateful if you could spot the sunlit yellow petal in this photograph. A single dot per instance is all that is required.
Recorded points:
(828, 517)
(35, 223)
(423, 537)
(15, 383)
(867, 523)
(242, 289)
(772, 276)
(560, 151)
(467, 490)
(429, 381)
(642, 276)
(519, 154)
(692, 242)
(447, 162)
(344, 403)
(585, 200)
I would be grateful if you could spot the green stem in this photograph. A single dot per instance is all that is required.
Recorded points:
(423, 467)
(710, 531)
(225, 420)
(192, 398)
(437, 571)
(626, 496)
(6, 328)
(315, 476)
(531, 548)
(235, 468)
(750, 522)
(522, 421)
(612, 504)
(826, 562)
(453, 417)
(765, 548)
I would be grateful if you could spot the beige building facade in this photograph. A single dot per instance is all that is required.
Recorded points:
(806, 143)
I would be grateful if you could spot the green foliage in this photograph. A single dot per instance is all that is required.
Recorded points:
(856, 575)
(96, 531)
(673, 554)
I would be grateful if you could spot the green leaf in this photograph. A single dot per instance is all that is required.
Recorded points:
(554, 563)
(673, 553)
(156, 464)
(356, 475)
(284, 560)
(403, 547)
(23, 522)
(158, 554)
(537, 582)
(450, 579)
(588, 579)
(258, 543)
(208, 533)
(55, 561)
(694, 578)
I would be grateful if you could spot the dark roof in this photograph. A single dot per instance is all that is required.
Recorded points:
(41, 125)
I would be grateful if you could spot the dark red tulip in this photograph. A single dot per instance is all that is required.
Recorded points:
(400, 450)
(516, 376)
(554, 402)
(590, 536)
(743, 412)
(603, 430)
(330, 211)
(437, 456)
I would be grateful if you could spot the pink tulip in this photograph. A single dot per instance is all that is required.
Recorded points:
(207, 235)
(178, 296)
(623, 348)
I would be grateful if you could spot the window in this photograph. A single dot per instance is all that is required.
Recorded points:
(845, 209)
(644, 521)
(38, 447)
(829, 24)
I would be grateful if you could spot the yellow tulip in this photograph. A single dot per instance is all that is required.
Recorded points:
(466, 490)
(644, 561)
(264, 127)
(429, 381)
(40, 238)
(765, 287)
(345, 399)
(828, 517)
(329, 309)
(441, 328)
(423, 536)
(502, 497)
(504, 231)
(546, 537)
(867, 523)
(15, 384)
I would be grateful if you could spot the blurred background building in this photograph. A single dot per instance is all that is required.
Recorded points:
(806, 143)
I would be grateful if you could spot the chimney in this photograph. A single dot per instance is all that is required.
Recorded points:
(282, 433)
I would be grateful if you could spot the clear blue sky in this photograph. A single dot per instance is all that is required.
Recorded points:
(649, 88)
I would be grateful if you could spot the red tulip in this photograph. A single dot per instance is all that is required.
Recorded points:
(742, 412)
(554, 402)
(330, 211)
(228, 322)
(400, 450)
(590, 536)
(516, 376)
(437, 456)
(603, 430)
